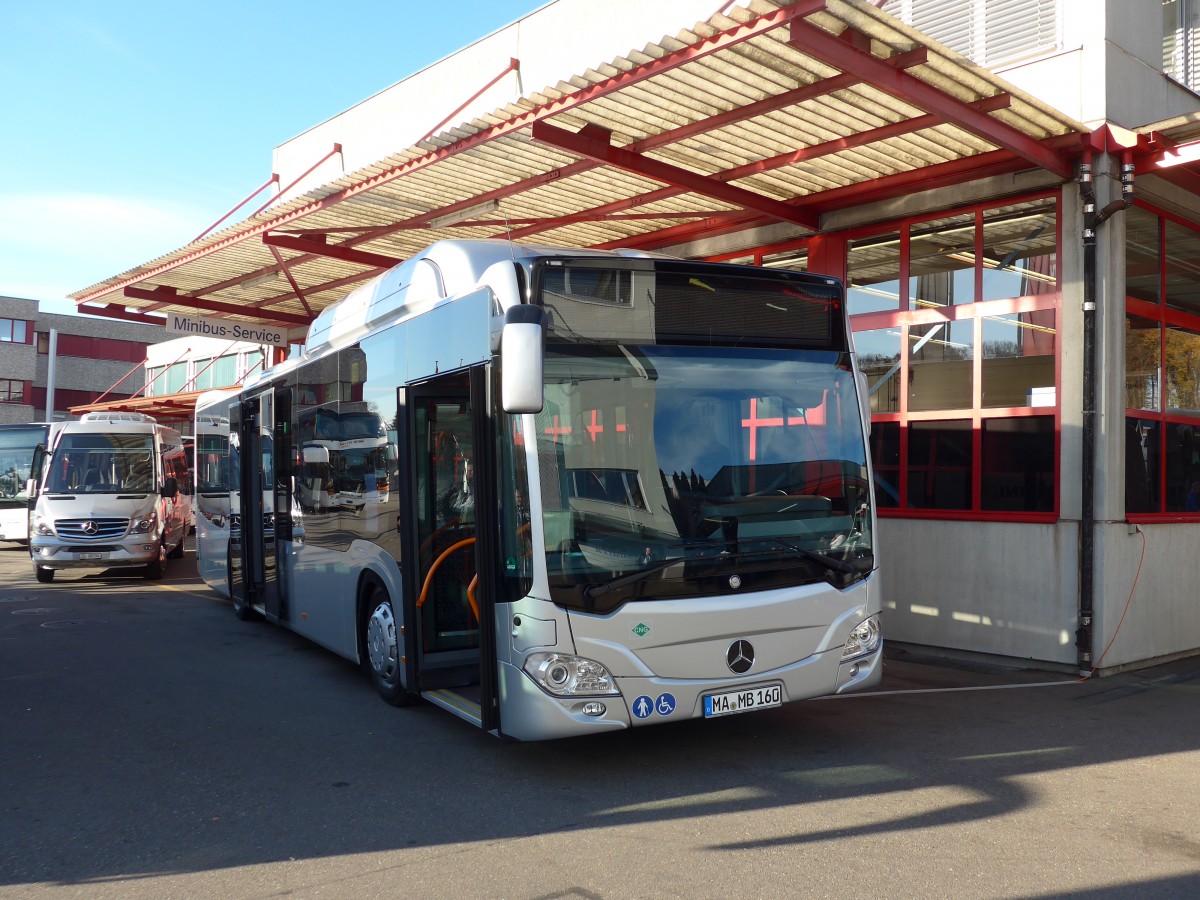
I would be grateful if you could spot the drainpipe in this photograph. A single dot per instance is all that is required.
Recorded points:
(1084, 633)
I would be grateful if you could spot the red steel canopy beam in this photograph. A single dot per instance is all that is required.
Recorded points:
(824, 46)
(291, 279)
(590, 143)
(335, 251)
(721, 41)
(166, 295)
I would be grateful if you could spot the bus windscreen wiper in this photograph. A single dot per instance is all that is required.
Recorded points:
(595, 591)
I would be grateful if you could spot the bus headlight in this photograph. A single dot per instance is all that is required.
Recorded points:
(864, 639)
(569, 676)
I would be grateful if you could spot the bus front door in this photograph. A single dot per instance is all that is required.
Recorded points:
(445, 599)
(252, 552)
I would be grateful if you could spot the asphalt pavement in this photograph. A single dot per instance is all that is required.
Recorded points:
(153, 746)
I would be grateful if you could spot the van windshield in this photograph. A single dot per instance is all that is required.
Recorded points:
(101, 464)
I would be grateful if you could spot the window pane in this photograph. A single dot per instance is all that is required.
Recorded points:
(873, 272)
(1017, 469)
(1018, 359)
(175, 378)
(18, 331)
(225, 371)
(204, 375)
(154, 382)
(940, 469)
(1141, 254)
(1141, 465)
(1183, 268)
(6, 330)
(789, 259)
(942, 262)
(1183, 467)
(939, 365)
(1183, 371)
(1019, 251)
(885, 457)
(879, 357)
(1142, 341)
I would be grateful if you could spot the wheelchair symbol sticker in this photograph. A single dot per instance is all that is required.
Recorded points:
(665, 705)
(642, 707)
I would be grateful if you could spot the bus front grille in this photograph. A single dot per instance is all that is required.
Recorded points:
(98, 529)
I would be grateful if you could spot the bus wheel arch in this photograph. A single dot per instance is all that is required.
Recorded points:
(380, 643)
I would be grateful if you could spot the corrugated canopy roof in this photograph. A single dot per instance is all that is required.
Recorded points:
(777, 112)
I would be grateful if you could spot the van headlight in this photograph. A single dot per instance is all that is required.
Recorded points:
(145, 524)
(864, 639)
(42, 525)
(569, 676)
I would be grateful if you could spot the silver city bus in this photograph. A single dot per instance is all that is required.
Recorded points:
(626, 489)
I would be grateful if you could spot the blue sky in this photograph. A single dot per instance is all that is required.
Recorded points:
(129, 127)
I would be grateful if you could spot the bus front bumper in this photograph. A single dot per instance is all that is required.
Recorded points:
(135, 551)
(531, 714)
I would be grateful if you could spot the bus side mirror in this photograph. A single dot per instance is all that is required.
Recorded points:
(522, 357)
(170, 487)
(35, 473)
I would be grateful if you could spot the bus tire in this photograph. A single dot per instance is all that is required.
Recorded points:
(154, 570)
(381, 645)
(43, 575)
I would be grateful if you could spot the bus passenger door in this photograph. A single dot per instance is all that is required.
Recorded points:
(253, 569)
(244, 569)
(282, 492)
(447, 606)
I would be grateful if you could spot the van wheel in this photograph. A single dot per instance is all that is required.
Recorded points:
(381, 635)
(44, 575)
(154, 570)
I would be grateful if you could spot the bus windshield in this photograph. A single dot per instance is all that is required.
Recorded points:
(665, 470)
(97, 463)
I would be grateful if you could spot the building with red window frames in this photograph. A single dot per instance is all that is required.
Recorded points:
(1011, 192)
(92, 356)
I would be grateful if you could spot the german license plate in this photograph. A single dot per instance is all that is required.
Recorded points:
(730, 702)
(91, 556)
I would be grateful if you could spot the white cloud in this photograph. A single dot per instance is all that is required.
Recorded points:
(52, 244)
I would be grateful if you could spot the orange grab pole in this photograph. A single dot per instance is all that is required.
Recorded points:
(437, 562)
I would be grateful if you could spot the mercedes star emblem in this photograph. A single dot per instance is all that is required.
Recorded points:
(89, 527)
(740, 657)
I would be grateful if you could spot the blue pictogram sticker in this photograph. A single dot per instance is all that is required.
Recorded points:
(665, 704)
(642, 707)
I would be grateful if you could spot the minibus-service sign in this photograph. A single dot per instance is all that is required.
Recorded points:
(224, 328)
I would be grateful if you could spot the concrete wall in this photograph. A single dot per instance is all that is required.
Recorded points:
(1109, 67)
(552, 43)
(986, 587)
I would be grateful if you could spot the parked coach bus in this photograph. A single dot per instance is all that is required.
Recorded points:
(17, 445)
(627, 489)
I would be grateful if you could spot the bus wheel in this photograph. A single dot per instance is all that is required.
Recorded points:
(382, 639)
(154, 570)
(44, 575)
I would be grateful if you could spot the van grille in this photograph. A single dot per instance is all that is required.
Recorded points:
(98, 529)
